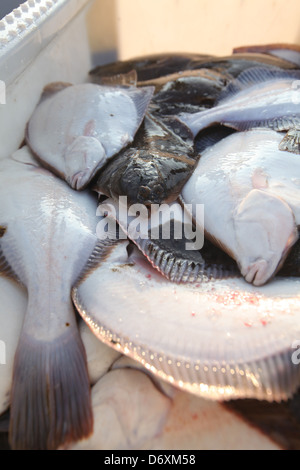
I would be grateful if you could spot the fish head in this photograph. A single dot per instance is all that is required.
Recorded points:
(265, 231)
(83, 158)
(142, 182)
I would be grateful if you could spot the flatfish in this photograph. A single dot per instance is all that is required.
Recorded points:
(259, 97)
(75, 129)
(251, 197)
(48, 234)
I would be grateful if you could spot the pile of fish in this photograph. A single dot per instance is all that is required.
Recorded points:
(100, 219)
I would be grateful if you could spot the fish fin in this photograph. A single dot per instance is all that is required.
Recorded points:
(291, 142)
(5, 268)
(265, 231)
(279, 124)
(211, 136)
(288, 52)
(141, 98)
(265, 48)
(50, 397)
(53, 88)
(182, 266)
(25, 156)
(100, 252)
(83, 158)
(252, 76)
(179, 128)
(123, 79)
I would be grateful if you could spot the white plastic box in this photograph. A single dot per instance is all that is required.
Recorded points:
(40, 42)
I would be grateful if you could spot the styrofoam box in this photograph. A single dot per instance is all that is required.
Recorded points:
(42, 41)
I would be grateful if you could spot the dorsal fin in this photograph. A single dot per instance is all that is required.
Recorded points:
(253, 76)
(5, 268)
(288, 52)
(53, 88)
(123, 79)
(211, 136)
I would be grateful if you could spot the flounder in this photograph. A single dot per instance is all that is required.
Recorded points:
(221, 340)
(259, 97)
(288, 52)
(75, 129)
(166, 237)
(50, 233)
(154, 168)
(151, 67)
(251, 197)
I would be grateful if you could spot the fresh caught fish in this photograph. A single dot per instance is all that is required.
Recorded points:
(166, 237)
(153, 169)
(50, 233)
(186, 91)
(251, 197)
(258, 98)
(148, 67)
(288, 52)
(221, 340)
(151, 67)
(75, 129)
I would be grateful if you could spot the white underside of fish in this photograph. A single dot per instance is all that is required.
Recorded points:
(75, 129)
(251, 196)
(257, 98)
(49, 233)
(222, 339)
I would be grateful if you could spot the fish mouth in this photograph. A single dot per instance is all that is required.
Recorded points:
(257, 273)
(82, 178)
(261, 271)
(79, 180)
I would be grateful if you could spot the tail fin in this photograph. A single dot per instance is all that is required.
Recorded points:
(50, 401)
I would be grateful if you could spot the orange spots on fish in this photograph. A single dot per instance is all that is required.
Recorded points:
(237, 298)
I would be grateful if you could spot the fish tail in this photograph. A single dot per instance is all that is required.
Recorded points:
(199, 120)
(50, 399)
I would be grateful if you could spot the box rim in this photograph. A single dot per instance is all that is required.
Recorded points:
(28, 29)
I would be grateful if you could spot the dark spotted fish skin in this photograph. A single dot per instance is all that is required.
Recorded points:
(291, 267)
(189, 90)
(149, 67)
(158, 65)
(151, 171)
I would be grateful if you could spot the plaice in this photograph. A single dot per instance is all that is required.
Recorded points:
(220, 340)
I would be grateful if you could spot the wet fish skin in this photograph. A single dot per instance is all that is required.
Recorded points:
(288, 52)
(167, 238)
(152, 170)
(148, 67)
(151, 67)
(75, 129)
(258, 98)
(251, 199)
(50, 235)
(189, 91)
(226, 338)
